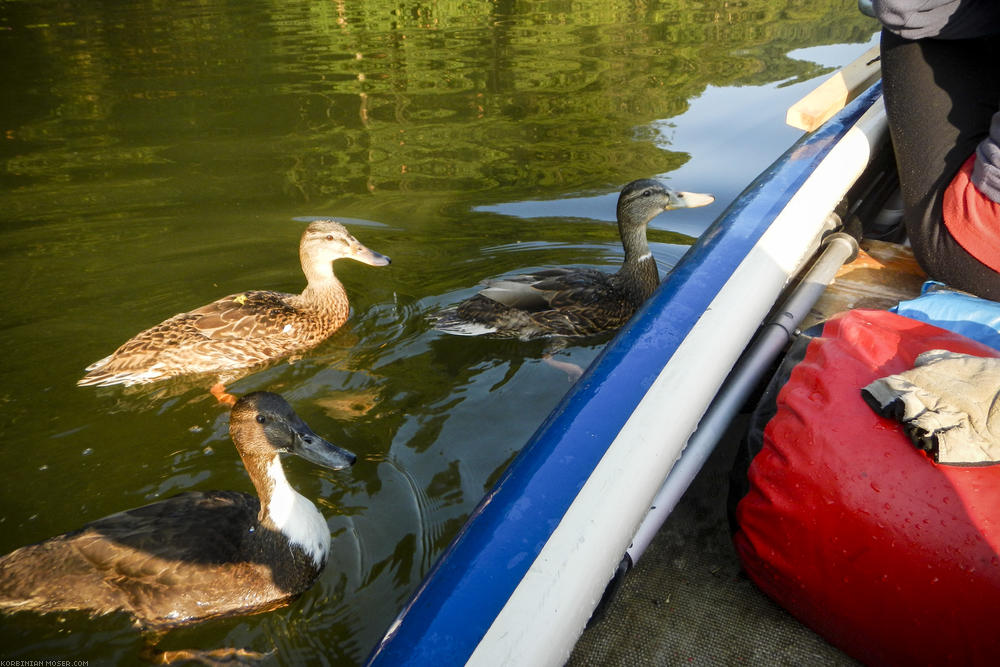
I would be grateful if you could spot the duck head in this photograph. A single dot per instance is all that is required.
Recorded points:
(326, 241)
(263, 425)
(642, 200)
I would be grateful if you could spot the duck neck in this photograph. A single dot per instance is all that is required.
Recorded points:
(638, 272)
(284, 510)
(323, 291)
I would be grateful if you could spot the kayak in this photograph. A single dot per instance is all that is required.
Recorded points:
(522, 577)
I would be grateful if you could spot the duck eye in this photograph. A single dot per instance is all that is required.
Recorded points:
(647, 193)
(261, 419)
(329, 237)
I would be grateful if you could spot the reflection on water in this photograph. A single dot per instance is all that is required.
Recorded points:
(156, 156)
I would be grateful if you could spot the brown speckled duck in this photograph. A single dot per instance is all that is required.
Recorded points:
(197, 555)
(565, 302)
(246, 329)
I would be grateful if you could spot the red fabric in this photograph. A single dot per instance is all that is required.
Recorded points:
(889, 556)
(973, 218)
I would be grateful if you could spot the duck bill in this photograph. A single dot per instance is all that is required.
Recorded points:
(316, 450)
(368, 256)
(691, 200)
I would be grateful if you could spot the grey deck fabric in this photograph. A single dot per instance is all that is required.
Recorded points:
(687, 602)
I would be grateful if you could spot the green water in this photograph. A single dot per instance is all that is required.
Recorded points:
(155, 156)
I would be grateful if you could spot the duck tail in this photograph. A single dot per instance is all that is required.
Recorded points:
(98, 376)
(450, 322)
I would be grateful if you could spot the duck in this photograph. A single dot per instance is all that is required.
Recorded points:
(243, 330)
(574, 302)
(197, 555)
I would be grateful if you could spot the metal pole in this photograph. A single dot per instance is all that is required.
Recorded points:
(839, 248)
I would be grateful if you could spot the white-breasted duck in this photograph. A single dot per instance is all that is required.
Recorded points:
(197, 555)
(573, 302)
(247, 329)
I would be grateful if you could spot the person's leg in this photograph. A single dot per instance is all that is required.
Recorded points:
(940, 96)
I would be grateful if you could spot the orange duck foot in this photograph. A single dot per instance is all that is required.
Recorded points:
(219, 391)
(573, 371)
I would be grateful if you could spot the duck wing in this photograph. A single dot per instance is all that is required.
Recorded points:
(165, 563)
(237, 331)
(553, 302)
(549, 288)
(254, 314)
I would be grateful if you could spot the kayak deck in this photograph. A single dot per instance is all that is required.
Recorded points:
(883, 275)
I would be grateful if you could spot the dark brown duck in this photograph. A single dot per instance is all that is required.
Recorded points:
(572, 302)
(197, 555)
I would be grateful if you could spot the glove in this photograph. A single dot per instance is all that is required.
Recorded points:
(948, 404)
